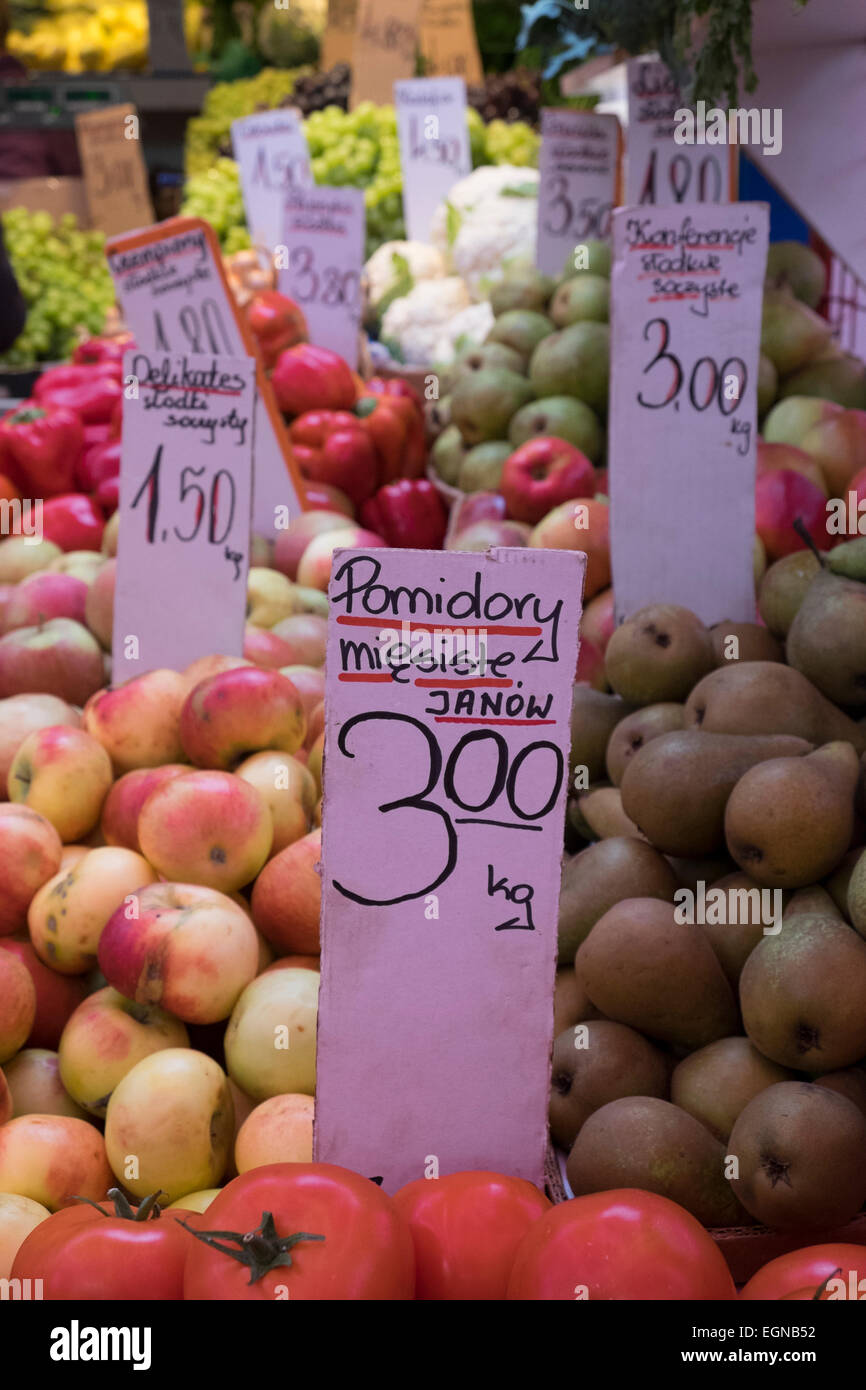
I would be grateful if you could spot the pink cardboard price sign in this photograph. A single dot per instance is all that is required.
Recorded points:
(449, 679)
(658, 169)
(175, 298)
(579, 166)
(185, 491)
(271, 150)
(686, 292)
(434, 146)
(321, 262)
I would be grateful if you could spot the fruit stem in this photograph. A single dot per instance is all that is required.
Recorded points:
(260, 1250)
(800, 528)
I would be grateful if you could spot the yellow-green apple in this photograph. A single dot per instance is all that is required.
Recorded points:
(239, 712)
(21, 714)
(289, 790)
(311, 601)
(42, 596)
(315, 725)
(30, 854)
(265, 648)
(579, 525)
(170, 1123)
(838, 446)
(774, 456)
(280, 1130)
(138, 722)
(6, 1103)
(293, 962)
(83, 564)
(99, 606)
(270, 597)
(59, 658)
(314, 762)
(307, 635)
(270, 1040)
(72, 854)
(64, 774)
(17, 1005)
(261, 552)
(57, 996)
(210, 828)
(105, 1038)
(481, 535)
(195, 1201)
(189, 949)
(287, 898)
(291, 543)
(791, 419)
(18, 1217)
(205, 666)
(309, 681)
(53, 1159)
(109, 535)
(36, 1087)
(122, 806)
(314, 567)
(68, 915)
(23, 555)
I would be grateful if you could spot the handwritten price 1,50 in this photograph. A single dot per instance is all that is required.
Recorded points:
(708, 382)
(150, 488)
(330, 286)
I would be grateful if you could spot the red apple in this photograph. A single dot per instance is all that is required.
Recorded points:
(73, 521)
(306, 634)
(98, 462)
(59, 658)
(287, 898)
(477, 506)
(324, 497)
(64, 774)
(590, 665)
(57, 996)
(598, 621)
(314, 571)
(481, 535)
(138, 722)
(210, 828)
(107, 496)
(30, 853)
(309, 681)
(291, 543)
(542, 473)
(17, 1006)
(20, 715)
(838, 445)
(579, 525)
(266, 648)
(122, 806)
(42, 596)
(247, 710)
(781, 497)
(54, 1159)
(771, 457)
(205, 666)
(99, 607)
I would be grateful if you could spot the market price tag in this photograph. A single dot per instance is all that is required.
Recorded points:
(658, 169)
(579, 166)
(115, 176)
(321, 260)
(384, 47)
(339, 36)
(448, 42)
(271, 150)
(175, 298)
(185, 495)
(449, 679)
(686, 292)
(434, 146)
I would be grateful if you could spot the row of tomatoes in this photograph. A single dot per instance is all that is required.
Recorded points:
(318, 1231)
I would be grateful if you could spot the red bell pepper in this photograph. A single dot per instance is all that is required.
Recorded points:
(100, 462)
(332, 446)
(394, 386)
(92, 391)
(96, 350)
(397, 429)
(115, 424)
(73, 522)
(276, 323)
(312, 378)
(40, 448)
(408, 513)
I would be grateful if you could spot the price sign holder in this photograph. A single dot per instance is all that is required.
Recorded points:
(323, 233)
(115, 176)
(434, 146)
(580, 182)
(175, 298)
(686, 292)
(658, 170)
(185, 496)
(448, 42)
(449, 681)
(271, 150)
(384, 47)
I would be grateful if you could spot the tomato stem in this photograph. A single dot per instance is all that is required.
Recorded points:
(260, 1250)
(147, 1208)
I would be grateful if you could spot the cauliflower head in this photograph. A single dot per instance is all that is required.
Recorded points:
(398, 266)
(471, 325)
(414, 323)
(487, 222)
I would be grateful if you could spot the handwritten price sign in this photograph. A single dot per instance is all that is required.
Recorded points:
(174, 295)
(185, 495)
(384, 47)
(115, 176)
(579, 178)
(658, 169)
(324, 252)
(271, 150)
(686, 292)
(449, 696)
(434, 146)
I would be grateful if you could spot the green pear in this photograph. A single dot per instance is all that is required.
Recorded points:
(447, 455)
(783, 588)
(841, 379)
(574, 362)
(791, 420)
(767, 697)
(795, 266)
(521, 287)
(657, 654)
(827, 638)
(481, 469)
(791, 334)
(475, 359)
(849, 559)
(565, 418)
(594, 715)
(596, 255)
(838, 883)
(521, 330)
(856, 895)
(768, 385)
(584, 297)
(483, 402)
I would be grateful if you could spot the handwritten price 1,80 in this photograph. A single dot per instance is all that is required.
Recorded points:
(707, 381)
(330, 286)
(505, 779)
(591, 219)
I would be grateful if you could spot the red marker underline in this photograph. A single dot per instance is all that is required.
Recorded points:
(654, 298)
(364, 676)
(206, 390)
(463, 685)
(466, 719)
(494, 629)
(696, 246)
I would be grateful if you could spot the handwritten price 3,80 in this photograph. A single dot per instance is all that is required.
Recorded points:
(329, 286)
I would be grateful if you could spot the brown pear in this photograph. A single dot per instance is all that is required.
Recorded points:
(734, 642)
(827, 639)
(856, 896)
(850, 1082)
(715, 1083)
(594, 1063)
(570, 1001)
(783, 589)
(691, 872)
(801, 1157)
(789, 821)
(638, 729)
(602, 875)
(734, 939)
(601, 809)
(763, 697)
(676, 788)
(641, 967)
(803, 995)
(812, 902)
(658, 654)
(838, 882)
(649, 1144)
(594, 716)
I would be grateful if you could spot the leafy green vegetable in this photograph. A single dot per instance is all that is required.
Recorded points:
(521, 190)
(453, 222)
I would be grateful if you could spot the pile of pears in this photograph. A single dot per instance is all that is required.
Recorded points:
(710, 1007)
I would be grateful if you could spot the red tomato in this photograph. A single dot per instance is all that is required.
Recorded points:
(623, 1244)
(332, 1235)
(466, 1228)
(808, 1268)
(105, 1253)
